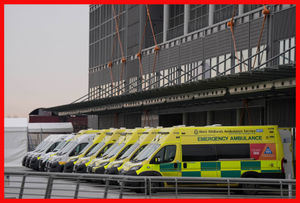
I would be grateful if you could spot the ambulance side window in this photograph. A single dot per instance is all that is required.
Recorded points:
(165, 155)
(52, 147)
(77, 149)
(201, 152)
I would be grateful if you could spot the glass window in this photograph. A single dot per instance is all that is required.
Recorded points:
(52, 147)
(146, 152)
(165, 154)
(77, 149)
(104, 150)
(94, 149)
(91, 148)
(138, 151)
(124, 150)
(233, 151)
(198, 153)
(128, 152)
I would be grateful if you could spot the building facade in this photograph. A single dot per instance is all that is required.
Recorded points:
(186, 64)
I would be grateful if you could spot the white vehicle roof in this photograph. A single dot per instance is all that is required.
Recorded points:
(86, 137)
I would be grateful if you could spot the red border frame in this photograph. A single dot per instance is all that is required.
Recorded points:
(127, 2)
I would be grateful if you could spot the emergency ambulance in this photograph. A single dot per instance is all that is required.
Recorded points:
(67, 144)
(39, 147)
(72, 160)
(212, 151)
(74, 147)
(145, 139)
(126, 140)
(110, 138)
(42, 160)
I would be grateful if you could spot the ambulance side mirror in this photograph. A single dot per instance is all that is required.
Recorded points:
(157, 160)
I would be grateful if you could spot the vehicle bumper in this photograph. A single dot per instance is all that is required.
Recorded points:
(27, 163)
(81, 168)
(69, 167)
(112, 170)
(42, 165)
(24, 160)
(100, 170)
(34, 163)
(89, 169)
(130, 183)
(56, 167)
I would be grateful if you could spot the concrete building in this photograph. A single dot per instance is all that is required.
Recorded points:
(183, 64)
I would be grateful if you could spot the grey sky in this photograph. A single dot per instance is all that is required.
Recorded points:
(46, 56)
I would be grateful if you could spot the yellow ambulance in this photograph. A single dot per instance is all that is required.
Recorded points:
(77, 135)
(212, 151)
(147, 136)
(72, 160)
(110, 138)
(128, 138)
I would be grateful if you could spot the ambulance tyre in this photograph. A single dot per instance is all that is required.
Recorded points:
(250, 188)
(155, 186)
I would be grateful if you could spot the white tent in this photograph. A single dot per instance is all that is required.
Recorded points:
(66, 127)
(15, 140)
(16, 137)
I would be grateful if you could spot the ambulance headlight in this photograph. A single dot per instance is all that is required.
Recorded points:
(104, 164)
(135, 168)
(73, 159)
(117, 165)
(93, 164)
(84, 161)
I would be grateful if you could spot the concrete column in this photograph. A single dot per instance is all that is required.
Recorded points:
(209, 118)
(211, 10)
(186, 19)
(166, 21)
(185, 119)
(241, 9)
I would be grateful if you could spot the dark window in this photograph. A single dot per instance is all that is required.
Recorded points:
(138, 151)
(165, 154)
(251, 7)
(233, 151)
(104, 150)
(198, 17)
(199, 153)
(124, 150)
(91, 148)
(224, 12)
(52, 147)
(77, 149)
(214, 152)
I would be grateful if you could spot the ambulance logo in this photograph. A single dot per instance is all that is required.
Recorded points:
(268, 151)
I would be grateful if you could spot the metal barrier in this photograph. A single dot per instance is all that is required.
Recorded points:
(61, 185)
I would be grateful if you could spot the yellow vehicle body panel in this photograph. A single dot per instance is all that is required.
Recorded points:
(260, 146)
(112, 136)
(100, 135)
(147, 136)
(129, 137)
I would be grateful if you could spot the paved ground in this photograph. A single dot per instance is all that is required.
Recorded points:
(35, 187)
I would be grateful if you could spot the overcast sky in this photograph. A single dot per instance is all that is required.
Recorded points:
(46, 56)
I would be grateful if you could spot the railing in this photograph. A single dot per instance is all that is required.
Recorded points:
(61, 185)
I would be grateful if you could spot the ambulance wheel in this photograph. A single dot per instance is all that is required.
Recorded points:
(155, 186)
(250, 188)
